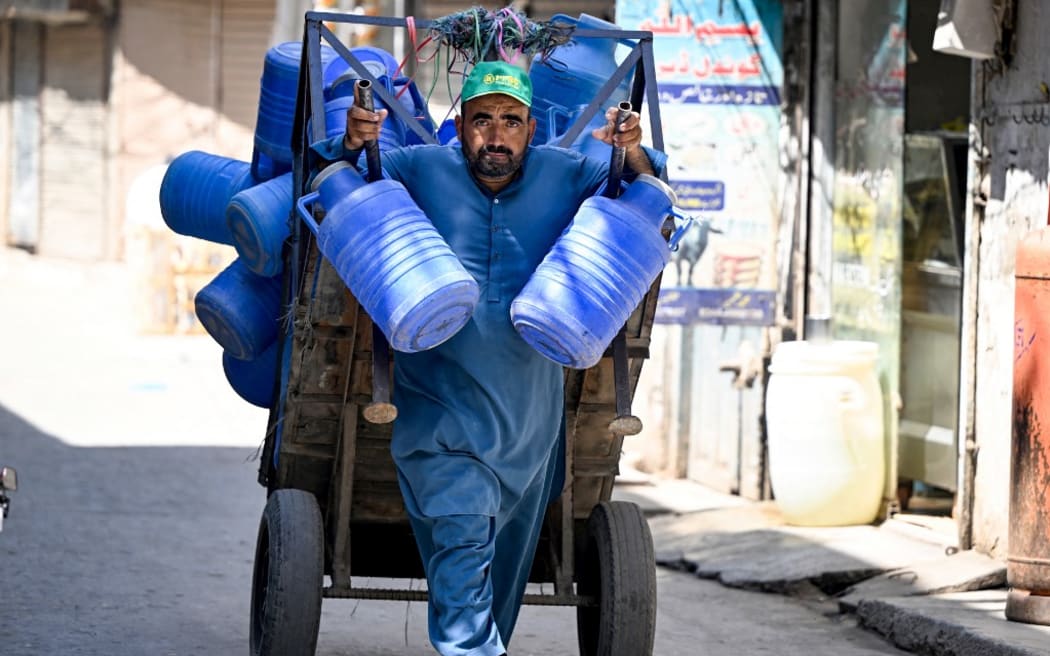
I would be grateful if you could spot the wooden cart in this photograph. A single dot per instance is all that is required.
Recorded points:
(334, 507)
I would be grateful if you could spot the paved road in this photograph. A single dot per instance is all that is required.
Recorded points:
(125, 551)
(133, 530)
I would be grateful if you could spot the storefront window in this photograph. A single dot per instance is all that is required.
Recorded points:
(869, 120)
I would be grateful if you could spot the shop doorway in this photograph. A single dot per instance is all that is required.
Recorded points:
(937, 107)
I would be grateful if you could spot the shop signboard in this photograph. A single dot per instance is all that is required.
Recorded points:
(719, 75)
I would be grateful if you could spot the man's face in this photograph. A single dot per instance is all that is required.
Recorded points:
(494, 132)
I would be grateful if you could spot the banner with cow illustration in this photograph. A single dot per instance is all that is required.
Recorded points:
(719, 74)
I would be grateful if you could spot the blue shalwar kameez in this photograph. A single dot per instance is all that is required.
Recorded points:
(479, 417)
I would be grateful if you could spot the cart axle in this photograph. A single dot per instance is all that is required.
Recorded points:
(389, 594)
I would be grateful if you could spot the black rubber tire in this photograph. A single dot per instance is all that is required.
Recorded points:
(619, 567)
(288, 579)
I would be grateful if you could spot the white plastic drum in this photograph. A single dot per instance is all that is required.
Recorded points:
(826, 445)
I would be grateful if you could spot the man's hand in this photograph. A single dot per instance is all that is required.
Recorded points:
(361, 126)
(629, 137)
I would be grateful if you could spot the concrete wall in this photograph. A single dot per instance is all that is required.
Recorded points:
(74, 141)
(1014, 182)
(185, 77)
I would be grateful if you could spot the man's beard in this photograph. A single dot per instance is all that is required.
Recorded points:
(483, 166)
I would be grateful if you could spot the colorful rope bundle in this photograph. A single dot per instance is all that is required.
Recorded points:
(478, 34)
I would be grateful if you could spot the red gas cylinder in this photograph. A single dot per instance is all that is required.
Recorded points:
(1028, 560)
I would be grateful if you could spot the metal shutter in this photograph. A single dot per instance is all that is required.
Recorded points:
(246, 29)
(168, 75)
(74, 110)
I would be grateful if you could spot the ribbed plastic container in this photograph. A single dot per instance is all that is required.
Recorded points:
(253, 380)
(594, 276)
(384, 67)
(377, 61)
(827, 461)
(446, 134)
(277, 91)
(195, 190)
(416, 105)
(393, 260)
(571, 78)
(259, 220)
(240, 310)
(264, 168)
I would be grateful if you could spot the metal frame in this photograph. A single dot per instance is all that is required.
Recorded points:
(310, 103)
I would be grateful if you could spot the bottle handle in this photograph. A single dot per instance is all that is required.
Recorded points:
(306, 215)
(677, 235)
(553, 112)
(852, 397)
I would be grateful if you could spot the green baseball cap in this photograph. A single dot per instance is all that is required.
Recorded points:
(498, 77)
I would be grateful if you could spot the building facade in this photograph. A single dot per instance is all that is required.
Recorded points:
(96, 95)
(904, 179)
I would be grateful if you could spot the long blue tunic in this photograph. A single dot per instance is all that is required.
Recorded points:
(479, 416)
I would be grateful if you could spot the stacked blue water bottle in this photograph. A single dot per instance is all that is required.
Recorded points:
(248, 205)
(564, 84)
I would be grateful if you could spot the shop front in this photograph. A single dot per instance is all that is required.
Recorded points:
(886, 217)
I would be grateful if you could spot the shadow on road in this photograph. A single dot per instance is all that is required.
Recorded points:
(125, 550)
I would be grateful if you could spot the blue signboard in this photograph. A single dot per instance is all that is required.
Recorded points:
(740, 307)
(719, 77)
(703, 195)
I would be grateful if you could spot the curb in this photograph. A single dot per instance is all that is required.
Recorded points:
(920, 633)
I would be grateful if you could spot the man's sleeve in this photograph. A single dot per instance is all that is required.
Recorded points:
(332, 150)
(657, 158)
(598, 172)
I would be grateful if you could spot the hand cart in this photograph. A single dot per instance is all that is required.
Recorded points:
(334, 508)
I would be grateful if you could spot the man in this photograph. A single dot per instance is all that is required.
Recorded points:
(479, 417)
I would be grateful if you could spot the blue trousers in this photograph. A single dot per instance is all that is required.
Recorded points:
(477, 566)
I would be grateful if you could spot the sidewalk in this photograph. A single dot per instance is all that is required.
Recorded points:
(73, 365)
(904, 579)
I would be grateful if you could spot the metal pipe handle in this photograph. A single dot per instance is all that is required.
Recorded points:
(380, 410)
(625, 423)
(363, 98)
(619, 155)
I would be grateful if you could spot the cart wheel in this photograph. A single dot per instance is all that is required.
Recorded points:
(618, 567)
(288, 580)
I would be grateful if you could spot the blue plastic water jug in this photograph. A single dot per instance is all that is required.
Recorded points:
(389, 254)
(253, 380)
(411, 99)
(571, 77)
(377, 61)
(382, 65)
(240, 310)
(195, 190)
(264, 168)
(446, 134)
(259, 220)
(277, 91)
(594, 276)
